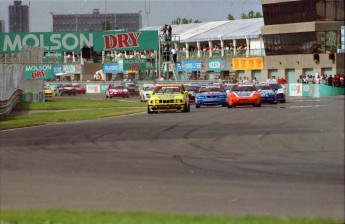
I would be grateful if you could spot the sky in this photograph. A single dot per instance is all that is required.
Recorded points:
(154, 12)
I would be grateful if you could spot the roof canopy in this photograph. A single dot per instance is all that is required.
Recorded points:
(216, 30)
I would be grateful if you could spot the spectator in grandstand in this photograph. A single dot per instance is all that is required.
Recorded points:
(281, 80)
(341, 80)
(330, 80)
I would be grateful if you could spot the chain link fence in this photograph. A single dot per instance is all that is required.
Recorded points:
(13, 86)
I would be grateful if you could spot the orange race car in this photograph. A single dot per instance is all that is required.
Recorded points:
(243, 94)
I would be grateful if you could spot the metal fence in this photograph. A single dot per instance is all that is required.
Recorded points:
(12, 82)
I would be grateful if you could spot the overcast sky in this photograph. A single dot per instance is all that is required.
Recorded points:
(160, 11)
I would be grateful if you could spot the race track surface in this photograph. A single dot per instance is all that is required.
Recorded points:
(280, 160)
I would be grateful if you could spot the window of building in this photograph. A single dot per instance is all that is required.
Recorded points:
(291, 43)
(289, 12)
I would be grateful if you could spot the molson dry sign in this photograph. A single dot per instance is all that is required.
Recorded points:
(38, 72)
(75, 41)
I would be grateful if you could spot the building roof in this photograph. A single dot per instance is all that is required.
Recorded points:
(216, 30)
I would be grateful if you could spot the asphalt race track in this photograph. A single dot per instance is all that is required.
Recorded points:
(281, 160)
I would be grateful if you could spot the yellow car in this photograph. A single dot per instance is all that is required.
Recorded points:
(48, 92)
(168, 98)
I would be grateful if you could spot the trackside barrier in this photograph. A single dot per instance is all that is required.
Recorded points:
(292, 89)
(13, 84)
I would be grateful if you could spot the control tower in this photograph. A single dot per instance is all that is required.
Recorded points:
(167, 56)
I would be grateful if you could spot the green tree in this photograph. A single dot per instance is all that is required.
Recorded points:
(230, 17)
(184, 21)
(251, 15)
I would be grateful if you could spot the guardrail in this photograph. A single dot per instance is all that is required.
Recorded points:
(6, 106)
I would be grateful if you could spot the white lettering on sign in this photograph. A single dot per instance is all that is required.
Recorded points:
(214, 64)
(34, 68)
(57, 41)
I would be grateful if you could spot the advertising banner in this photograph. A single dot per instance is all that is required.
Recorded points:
(38, 72)
(295, 89)
(192, 65)
(75, 41)
(112, 68)
(255, 63)
(53, 57)
(67, 69)
(217, 65)
(134, 64)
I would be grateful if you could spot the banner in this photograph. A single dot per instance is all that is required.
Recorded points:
(255, 63)
(67, 69)
(295, 89)
(53, 57)
(191, 65)
(134, 64)
(112, 68)
(75, 41)
(38, 72)
(217, 65)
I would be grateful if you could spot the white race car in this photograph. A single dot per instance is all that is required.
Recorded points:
(279, 89)
(146, 92)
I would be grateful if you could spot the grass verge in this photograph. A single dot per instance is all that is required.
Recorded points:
(98, 217)
(62, 110)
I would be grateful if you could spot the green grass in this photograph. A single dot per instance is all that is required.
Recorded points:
(98, 217)
(70, 103)
(62, 110)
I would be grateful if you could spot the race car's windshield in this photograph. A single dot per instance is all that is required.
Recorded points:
(227, 87)
(263, 87)
(276, 86)
(242, 88)
(116, 87)
(148, 88)
(168, 90)
(192, 88)
(211, 89)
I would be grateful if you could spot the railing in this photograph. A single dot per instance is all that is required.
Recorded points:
(217, 53)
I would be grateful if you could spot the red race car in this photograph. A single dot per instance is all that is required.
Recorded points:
(243, 94)
(117, 91)
(80, 89)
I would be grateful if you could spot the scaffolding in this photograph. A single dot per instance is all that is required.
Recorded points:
(167, 56)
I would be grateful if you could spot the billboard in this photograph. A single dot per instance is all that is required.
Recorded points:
(38, 72)
(75, 41)
(252, 63)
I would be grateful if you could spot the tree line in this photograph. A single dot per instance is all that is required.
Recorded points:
(250, 15)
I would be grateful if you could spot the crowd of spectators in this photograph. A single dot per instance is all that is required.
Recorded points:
(330, 80)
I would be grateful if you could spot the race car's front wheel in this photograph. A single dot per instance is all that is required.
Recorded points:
(197, 105)
(148, 110)
(186, 108)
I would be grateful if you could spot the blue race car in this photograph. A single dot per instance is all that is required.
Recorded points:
(210, 95)
(267, 93)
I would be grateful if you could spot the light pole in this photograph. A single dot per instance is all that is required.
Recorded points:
(147, 11)
(76, 22)
(52, 29)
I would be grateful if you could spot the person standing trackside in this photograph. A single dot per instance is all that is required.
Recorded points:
(169, 32)
(174, 54)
